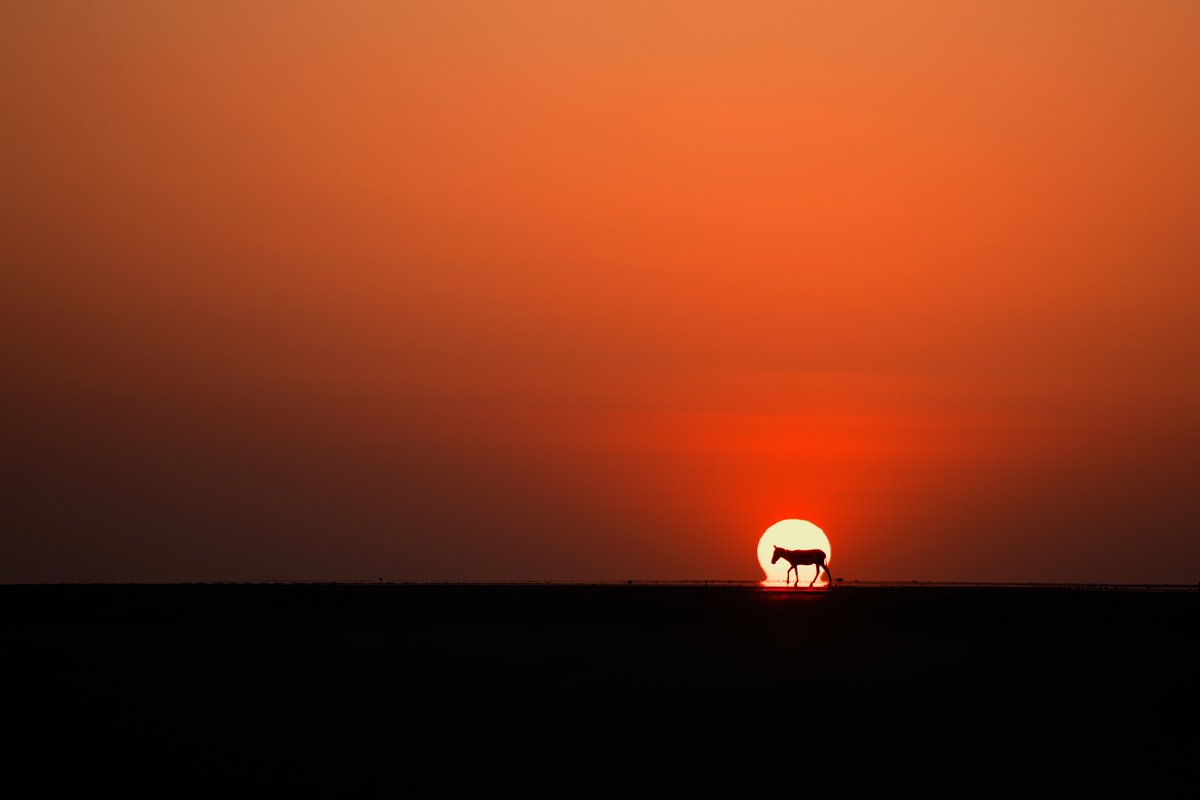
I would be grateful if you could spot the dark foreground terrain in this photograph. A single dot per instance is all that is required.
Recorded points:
(589, 690)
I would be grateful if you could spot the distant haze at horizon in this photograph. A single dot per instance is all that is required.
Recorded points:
(513, 291)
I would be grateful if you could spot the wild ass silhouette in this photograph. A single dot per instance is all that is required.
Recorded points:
(798, 557)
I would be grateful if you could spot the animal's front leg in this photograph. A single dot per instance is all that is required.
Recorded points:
(817, 575)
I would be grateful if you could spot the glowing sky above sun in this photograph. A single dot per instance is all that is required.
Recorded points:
(499, 290)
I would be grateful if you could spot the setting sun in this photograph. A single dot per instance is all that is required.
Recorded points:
(792, 534)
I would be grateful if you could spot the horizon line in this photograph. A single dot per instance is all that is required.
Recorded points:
(730, 582)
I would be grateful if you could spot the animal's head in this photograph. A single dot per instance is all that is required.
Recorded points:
(778, 552)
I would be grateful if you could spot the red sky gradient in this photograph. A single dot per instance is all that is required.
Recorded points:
(599, 291)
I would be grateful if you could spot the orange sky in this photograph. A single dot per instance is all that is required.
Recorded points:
(571, 291)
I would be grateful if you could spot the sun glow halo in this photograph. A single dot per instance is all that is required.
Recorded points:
(792, 534)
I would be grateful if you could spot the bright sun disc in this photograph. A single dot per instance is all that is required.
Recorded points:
(791, 534)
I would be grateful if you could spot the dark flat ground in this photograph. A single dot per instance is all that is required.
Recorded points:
(566, 690)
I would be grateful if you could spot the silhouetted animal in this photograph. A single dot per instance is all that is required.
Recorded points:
(797, 557)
